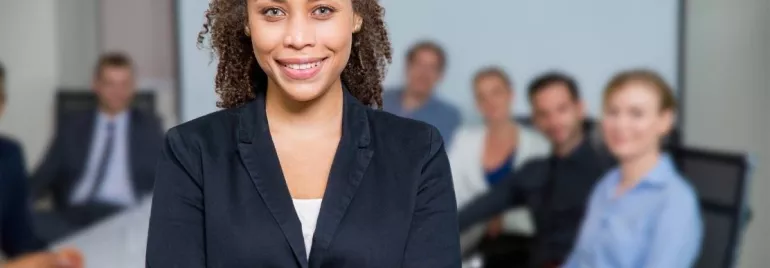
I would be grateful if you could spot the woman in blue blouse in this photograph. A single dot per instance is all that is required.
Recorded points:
(643, 213)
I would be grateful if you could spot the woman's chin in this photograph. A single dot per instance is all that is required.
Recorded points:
(304, 92)
(626, 154)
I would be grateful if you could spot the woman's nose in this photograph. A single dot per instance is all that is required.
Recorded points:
(301, 33)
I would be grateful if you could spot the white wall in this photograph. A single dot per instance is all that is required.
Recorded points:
(589, 39)
(197, 66)
(78, 28)
(29, 50)
(144, 30)
(728, 91)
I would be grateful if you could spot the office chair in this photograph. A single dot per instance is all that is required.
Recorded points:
(73, 100)
(721, 180)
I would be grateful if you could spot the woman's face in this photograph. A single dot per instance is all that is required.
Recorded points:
(634, 122)
(302, 45)
(493, 98)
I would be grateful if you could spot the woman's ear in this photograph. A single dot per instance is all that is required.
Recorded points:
(358, 23)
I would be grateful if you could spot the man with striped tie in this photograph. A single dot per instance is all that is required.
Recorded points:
(101, 160)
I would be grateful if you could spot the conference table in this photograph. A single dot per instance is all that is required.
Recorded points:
(117, 242)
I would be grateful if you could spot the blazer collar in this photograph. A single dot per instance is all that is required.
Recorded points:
(355, 121)
(258, 154)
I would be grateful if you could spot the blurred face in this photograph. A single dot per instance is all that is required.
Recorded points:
(633, 123)
(493, 98)
(302, 45)
(423, 72)
(115, 88)
(557, 114)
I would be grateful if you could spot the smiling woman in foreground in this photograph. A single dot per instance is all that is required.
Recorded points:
(298, 170)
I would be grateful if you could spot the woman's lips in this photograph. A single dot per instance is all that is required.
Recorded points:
(301, 68)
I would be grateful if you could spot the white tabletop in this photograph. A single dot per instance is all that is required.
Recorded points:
(118, 242)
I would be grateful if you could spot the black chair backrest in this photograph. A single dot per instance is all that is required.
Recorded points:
(73, 100)
(721, 180)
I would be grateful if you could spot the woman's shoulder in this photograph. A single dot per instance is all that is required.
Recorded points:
(680, 189)
(675, 183)
(211, 127)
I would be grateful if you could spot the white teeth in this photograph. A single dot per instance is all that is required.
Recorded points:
(303, 66)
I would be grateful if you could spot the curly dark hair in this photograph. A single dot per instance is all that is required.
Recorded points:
(239, 76)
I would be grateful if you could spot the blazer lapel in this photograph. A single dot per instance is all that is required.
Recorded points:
(258, 154)
(346, 174)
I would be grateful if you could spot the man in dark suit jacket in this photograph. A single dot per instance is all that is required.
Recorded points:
(100, 161)
(16, 235)
(17, 239)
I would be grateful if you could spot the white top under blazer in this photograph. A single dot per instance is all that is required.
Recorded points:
(307, 211)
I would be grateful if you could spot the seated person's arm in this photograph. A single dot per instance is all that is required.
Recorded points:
(46, 172)
(66, 258)
(677, 235)
(507, 194)
(16, 235)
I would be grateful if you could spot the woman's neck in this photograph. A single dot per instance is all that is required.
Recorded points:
(304, 116)
(503, 128)
(634, 169)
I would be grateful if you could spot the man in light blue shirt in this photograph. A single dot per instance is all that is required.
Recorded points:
(426, 62)
(654, 224)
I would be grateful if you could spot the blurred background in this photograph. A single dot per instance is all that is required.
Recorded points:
(715, 53)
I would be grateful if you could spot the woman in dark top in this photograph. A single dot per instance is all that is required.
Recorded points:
(298, 170)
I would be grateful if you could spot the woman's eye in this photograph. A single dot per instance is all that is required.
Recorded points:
(273, 12)
(323, 11)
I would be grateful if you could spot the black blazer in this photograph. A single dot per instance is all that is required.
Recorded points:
(66, 158)
(221, 200)
(16, 235)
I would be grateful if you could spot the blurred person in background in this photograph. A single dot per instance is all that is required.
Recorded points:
(298, 170)
(482, 156)
(426, 63)
(18, 241)
(642, 213)
(102, 160)
(554, 188)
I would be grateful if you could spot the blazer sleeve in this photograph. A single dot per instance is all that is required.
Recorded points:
(176, 233)
(433, 239)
